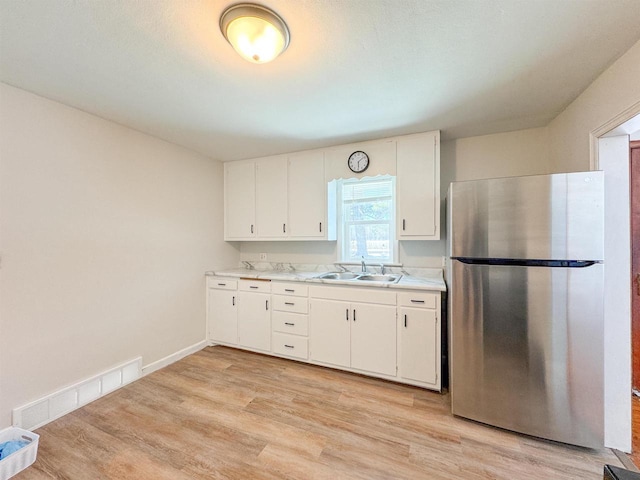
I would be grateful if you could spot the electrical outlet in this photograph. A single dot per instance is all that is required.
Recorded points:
(263, 257)
(444, 261)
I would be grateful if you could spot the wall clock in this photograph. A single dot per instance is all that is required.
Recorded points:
(358, 161)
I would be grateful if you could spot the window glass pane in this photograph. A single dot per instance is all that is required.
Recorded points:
(367, 219)
(364, 211)
(370, 241)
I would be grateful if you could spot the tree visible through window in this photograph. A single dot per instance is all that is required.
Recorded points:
(368, 219)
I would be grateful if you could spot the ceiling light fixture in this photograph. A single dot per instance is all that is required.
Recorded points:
(258, 34)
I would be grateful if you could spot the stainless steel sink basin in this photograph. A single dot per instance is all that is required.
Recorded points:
(339, 276)
(379, 278)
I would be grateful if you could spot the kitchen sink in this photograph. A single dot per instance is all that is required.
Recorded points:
(360, 277)
(339, 276)
(379, 278)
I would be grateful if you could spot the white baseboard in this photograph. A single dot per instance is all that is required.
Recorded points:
(46, 409)
(50, 407)
(174, 357)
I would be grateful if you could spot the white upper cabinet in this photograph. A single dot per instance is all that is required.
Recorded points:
(239, 200)
(286, 197)
(307, 196)
(271, 197)
(418, 187)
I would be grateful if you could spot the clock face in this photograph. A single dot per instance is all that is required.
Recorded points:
(358, 161)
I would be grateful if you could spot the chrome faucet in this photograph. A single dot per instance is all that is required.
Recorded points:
(364, 266)
(382, 269)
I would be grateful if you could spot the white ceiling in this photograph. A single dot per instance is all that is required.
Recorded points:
(355, 69)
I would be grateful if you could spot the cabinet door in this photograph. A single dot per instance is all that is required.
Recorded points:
(222, 316)
(254, 320)
(329, 331)
(271, 196)
(418, 187)
(373, 338)
(239, 200)
(307, 196)
(418, 344)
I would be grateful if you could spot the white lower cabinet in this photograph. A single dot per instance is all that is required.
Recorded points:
(330, 332)
(290, 320)
(418, 355)
(222, 312)
(356, 335)
(419, 338)
(254, 315)
(392, 334)
(373, 338)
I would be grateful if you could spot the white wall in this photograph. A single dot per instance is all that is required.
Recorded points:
(523, 152)
(610, 94)
(105, 234)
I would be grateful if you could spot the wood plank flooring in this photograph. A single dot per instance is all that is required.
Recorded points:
(227, 414)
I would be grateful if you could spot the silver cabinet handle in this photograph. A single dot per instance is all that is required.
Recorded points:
(289, 303)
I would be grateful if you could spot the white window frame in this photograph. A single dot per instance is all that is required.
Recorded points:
(343, 247)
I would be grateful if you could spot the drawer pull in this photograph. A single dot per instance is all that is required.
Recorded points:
(289, 346)
(222, 284)
(289, 303)
(417, 301)
(254, 286)
(233, 301)
(291, 290)
(290, 324)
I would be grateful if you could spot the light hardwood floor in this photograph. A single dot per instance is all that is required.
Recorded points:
(227, 414)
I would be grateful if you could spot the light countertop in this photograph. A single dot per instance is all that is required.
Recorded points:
(416, 279)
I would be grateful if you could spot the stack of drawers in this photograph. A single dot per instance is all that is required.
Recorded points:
(290, 320)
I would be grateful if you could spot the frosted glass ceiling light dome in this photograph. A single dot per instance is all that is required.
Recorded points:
(258, 34)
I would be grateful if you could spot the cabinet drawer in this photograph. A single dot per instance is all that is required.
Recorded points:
(294, 289)
(290, 345)
(255, 286)
(290, 323)
(222, 283)
(290, 304)
(418, 299)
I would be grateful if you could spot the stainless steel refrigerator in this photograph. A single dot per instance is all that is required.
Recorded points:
(526, 304)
